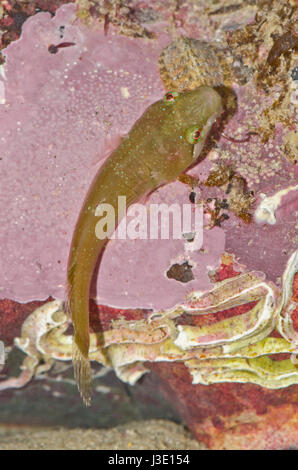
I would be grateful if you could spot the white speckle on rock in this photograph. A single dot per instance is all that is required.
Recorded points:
(124, 92)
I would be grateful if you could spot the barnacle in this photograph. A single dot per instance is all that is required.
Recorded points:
(187, 63)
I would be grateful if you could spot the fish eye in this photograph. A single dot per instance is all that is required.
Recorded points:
(170, 97)
(194, 135)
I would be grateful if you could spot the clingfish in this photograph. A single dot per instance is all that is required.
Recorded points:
(157, 150)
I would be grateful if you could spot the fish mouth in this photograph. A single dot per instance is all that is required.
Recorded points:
(198, 147)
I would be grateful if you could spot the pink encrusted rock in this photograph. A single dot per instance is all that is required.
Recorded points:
(58, 114)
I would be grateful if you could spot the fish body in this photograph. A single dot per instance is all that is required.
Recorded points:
(159, 147)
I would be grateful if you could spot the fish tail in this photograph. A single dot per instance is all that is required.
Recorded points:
(80, 344)
(82, 373)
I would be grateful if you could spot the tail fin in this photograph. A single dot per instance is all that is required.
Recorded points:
(82, 373)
